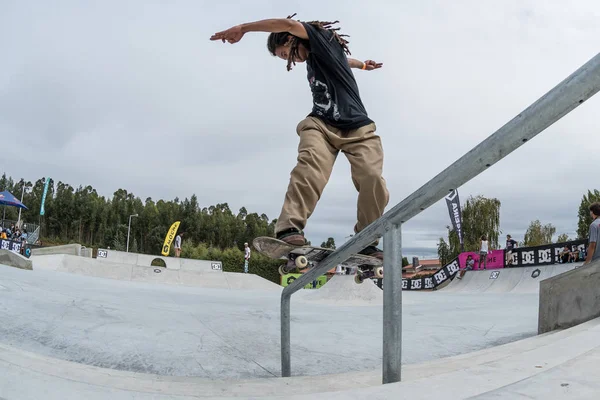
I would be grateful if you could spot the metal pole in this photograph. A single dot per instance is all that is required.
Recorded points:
(22, 195)
(392, 303)
(128, 230)
(286, 356)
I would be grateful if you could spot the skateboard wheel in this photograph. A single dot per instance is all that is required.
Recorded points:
(378, 272)
(358, 279)
(282, 270)
(301, 262)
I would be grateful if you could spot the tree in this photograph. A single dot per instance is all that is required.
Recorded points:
(583, 225)
(444, 253)
(538, 235)
(563, 237)
(329, 244)
(480, 216)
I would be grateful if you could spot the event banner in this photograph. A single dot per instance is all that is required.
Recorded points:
(42, 211)
(544, 255)
(453, 203)
(433, 281)
(287, 279)
(15, 247)
(495, 259)
(169, 238)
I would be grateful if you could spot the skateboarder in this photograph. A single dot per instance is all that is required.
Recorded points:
(338, 122)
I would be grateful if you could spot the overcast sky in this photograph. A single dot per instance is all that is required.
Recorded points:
(133, 95)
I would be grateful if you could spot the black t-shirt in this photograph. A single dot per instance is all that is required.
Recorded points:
(336, 98)
(510, 244)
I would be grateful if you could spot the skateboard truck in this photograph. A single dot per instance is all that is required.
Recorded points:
(365, 272)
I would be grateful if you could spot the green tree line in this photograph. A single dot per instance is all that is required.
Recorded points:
(81, 215)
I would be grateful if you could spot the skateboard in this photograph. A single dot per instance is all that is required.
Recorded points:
(301, 257)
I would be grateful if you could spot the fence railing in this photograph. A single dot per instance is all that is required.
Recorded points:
(563, 98)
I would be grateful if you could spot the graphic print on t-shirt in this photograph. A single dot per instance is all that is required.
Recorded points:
(322, 101)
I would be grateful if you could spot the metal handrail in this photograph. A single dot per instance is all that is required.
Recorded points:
(563, 98)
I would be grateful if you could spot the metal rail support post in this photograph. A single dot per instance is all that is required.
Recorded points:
(392, 303)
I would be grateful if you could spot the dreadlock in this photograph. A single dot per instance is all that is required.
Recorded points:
(282, 38)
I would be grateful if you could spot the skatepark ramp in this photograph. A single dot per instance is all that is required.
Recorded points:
(135, 273)
(145, 260)
(503, 280)
(342, 290)
(555, 104)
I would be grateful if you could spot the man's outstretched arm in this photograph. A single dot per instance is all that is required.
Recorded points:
(368, 65)
(276, 25)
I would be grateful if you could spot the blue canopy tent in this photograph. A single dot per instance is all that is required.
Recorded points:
(8, 199)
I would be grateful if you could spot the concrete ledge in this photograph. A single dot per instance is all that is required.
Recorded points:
(570, 298)
(15, 260)
(72, 249)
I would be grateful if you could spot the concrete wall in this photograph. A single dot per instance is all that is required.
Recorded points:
(570, 298)
(216, 279)
(72, 249)
(145, 260)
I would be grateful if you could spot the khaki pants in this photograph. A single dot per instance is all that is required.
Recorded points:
(319, 146)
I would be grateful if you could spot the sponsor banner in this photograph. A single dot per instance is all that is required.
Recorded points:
(15, 247)
(453, 203)
(495, 259)
(433, 281)
(287, 279)
(42, 211)
(169, 238)
(544, 255)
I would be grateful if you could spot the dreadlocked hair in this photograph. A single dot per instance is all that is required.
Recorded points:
(282, 38)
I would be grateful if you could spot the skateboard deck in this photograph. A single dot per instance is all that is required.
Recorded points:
(301, 257)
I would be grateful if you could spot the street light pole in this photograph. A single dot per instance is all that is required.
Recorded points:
(22, 195)
(129, 229)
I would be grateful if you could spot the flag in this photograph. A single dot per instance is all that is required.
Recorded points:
(453, 203)
(169, 238)
(42, 211)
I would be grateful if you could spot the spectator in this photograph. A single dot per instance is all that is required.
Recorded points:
(510, 245)
(178, 244)
(483, 252)
(470, 264)
(565, 255)
(593, 251)
(3, 234)
(246, 257)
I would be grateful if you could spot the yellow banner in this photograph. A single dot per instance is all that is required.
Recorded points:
(169, 239)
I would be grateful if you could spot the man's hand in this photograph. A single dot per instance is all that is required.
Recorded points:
(370, 65)
(232, 35)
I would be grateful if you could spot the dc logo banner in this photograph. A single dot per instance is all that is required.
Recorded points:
(544, 255)
(431, 282)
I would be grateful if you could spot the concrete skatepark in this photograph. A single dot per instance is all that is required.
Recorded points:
(77, 327)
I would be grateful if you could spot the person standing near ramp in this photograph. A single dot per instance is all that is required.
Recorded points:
(246, 257)
(593, 251)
